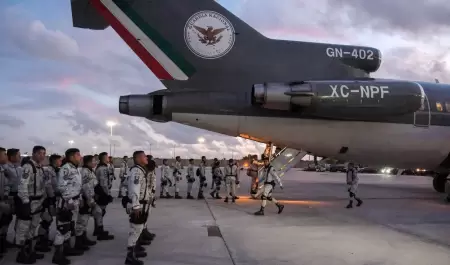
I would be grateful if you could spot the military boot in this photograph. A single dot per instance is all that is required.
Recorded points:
(42, 244)
(33, 250)
(148, 235)
(103, 235)
(139, 251)
(131, 258)
(359, 202)
(177, 196)
(87, 241)
(2, 244)
(143, 241)
(161, 195)
(226, 200)
(260, 212)
(212, 193)
(233, 199)
(200, 196)
(349, 205)
(68, 250)
(280, 207)
(79, 244)
(189, 196)
(168, 196)
(58, 257)
(236, 197)
(24, 256)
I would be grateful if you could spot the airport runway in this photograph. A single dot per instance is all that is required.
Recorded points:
(402, 221)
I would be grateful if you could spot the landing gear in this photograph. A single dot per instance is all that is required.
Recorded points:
(439, 181)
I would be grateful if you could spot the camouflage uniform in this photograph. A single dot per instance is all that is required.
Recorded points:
(89, 181)
(139, 194)
(5, 209)
(166, 181)
(190, 178)
(103, 198)
(177, 178)
(67, 210)
(122, 176)
(48, 211)
(29, 206)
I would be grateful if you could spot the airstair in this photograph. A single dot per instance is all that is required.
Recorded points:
(283, 161)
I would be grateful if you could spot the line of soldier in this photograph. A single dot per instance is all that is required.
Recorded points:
(35, 195)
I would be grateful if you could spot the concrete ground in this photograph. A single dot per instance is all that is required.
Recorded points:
(402, 221)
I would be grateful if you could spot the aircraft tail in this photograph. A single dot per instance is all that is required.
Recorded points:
(176, 39)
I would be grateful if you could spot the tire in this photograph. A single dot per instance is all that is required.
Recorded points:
(439, 182)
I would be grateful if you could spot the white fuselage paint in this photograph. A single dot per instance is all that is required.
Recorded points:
(371, 143)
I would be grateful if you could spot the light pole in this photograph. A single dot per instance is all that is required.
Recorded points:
(111, 124)
(201, 140)
(71, 142)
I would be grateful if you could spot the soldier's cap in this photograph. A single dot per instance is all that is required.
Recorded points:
(230, 160)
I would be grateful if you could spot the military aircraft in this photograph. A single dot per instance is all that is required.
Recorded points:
(224, 76)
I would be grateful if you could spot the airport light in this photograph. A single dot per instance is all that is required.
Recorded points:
(201, 140)
(111, 124)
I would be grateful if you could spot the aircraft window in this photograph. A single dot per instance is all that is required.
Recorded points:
(447, 106)
(439, 106)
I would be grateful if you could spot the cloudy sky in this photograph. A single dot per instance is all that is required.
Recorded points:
(58, 83)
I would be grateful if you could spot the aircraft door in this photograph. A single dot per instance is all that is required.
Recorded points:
(422, 117)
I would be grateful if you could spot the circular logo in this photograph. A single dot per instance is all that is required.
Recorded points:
(209, 35)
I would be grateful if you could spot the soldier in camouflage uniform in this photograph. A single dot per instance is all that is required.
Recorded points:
(102, 195)
(88, 203)
(29, 206)
(67, 207)
(139, 200)
(5, 204)
(13, 172)
(177, 176)
(49, 211)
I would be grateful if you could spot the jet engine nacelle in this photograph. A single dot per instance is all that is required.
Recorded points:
(346, 99)
(152, 107)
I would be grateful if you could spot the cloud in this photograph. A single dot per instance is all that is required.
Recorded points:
(11, 121)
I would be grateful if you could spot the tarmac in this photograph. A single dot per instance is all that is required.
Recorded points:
(402, 221)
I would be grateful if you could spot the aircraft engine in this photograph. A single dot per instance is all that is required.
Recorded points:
(347, 99)
(152, 107)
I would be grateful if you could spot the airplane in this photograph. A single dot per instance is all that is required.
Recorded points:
(224, 76)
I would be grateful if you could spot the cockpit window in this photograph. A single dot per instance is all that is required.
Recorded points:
(447, 106)
(439, 106)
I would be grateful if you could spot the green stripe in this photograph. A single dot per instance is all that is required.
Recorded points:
(163, 44)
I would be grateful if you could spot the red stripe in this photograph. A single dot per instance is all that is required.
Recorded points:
(135, 45)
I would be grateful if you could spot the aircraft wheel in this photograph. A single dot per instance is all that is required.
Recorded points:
(439, 181)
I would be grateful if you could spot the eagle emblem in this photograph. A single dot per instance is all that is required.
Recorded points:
(209, 36)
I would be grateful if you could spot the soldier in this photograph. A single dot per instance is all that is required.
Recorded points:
(269, 178)
(13, 172)
(122, 175)
(87, 204)
(213, 181)
(177, 176)
(139, 195)
(231, 180)
(29, 203)
(217, 177)
(252, 172)
(112, 176)
(166, 181)
(103, 196)
(352, 185)
(49, 211)
(5, 203)
(202, 178)
(190, 178)
(67, 207)
(146, 236)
